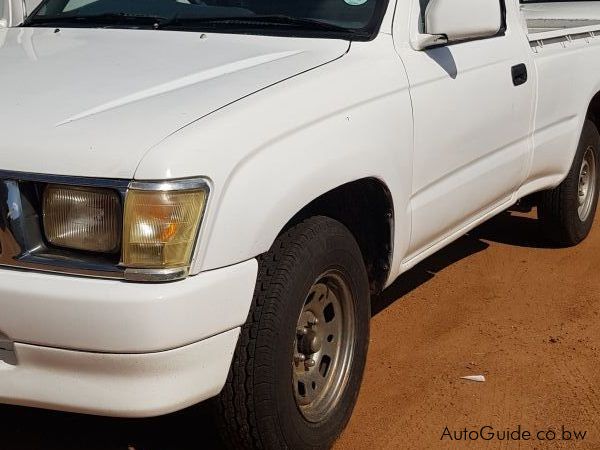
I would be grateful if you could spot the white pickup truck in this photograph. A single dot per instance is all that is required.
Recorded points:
(199, 197)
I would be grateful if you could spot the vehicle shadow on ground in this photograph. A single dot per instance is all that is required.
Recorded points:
(427, 270)
(517, 227)
(33, 429)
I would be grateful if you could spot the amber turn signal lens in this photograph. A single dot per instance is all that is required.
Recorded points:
(160, 227)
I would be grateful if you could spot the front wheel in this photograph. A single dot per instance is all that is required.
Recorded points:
(299, 362)
(567, 212)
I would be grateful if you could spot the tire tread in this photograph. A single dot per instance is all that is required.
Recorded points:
(557, 210)
(236, 405)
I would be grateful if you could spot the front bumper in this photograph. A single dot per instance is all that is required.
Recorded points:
(112, 316)
(116, 348)
(120, 385)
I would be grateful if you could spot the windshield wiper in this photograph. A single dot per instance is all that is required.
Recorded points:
(105, 19)
(178, 22)
(253, 21)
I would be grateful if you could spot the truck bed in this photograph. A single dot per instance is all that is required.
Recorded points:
(552, 20)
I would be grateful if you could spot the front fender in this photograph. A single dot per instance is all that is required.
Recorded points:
(271, 154)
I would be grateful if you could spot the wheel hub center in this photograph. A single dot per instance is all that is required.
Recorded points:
(583, 184)
(310, 343)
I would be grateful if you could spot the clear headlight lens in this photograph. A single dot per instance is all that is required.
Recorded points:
(160, 227)
(82, 218)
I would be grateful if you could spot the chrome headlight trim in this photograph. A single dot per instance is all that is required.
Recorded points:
(21, 252)
(111, 183)
(22, 244)
(156, 275)
(181, 184)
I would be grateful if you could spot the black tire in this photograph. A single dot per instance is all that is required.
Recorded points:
(559, 208)
(258, 408)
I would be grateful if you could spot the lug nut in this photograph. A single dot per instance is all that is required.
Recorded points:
(299, 357)
(309, 363)
(301, 331)
(313, 321)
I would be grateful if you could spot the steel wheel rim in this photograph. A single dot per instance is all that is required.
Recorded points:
(587, 184)
(324, 346)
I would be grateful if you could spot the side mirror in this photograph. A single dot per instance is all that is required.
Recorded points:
(457, 20)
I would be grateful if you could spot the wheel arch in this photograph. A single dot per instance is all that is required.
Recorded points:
(593, 112)
(366, 208)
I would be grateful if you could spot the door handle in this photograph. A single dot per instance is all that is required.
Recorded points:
(519, 74)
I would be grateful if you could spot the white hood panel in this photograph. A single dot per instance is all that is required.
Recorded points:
(92, 102)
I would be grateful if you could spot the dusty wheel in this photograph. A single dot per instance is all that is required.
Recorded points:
(324, 346)
(567, 212)
(301, 355)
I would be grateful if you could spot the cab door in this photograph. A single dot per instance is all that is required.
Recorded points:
(473, 108)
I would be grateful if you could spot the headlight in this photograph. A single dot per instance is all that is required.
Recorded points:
(146, 230)
(161, 224)
(82, 218)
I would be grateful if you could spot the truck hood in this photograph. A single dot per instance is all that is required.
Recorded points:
(92, 102)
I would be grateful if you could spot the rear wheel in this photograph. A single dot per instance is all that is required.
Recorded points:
(301, 355)
(567, 212)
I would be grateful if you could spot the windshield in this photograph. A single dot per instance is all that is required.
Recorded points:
(352, 18)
